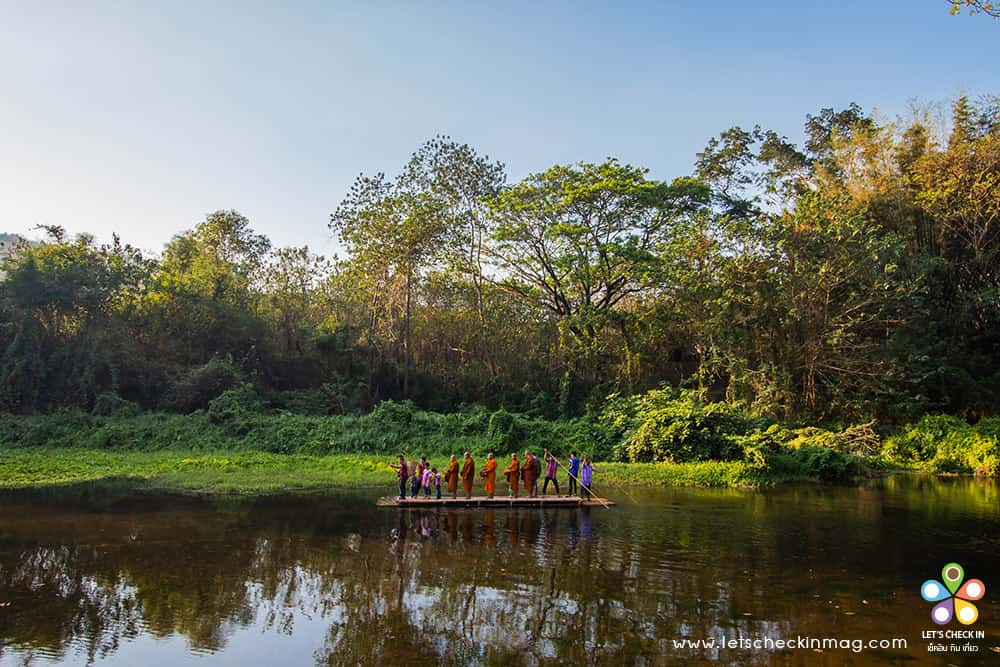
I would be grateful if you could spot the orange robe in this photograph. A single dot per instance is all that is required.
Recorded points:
(528, 473)
(513, 474)
(451, 475)
(489, 475)
(468, 471)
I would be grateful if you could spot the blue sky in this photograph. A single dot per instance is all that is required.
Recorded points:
(142, 118)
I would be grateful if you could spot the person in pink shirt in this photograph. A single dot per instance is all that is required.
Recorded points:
(550, 472)
(427, 481)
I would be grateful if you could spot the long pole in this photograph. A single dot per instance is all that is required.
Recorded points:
(611, 484)
(594, 495)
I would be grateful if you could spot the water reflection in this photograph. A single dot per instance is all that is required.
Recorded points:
(95, 574)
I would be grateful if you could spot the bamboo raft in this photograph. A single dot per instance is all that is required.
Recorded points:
(498, 501)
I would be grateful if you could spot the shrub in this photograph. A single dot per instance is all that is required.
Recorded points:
(57, 429)
(825, 463)
(670, 425)
(330, 398)
(236, 409)
(507, 431)
(112, 405)
(585, 434)
(198, 386)
(940, 443)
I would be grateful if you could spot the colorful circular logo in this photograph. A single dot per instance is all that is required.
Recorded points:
(953, 599)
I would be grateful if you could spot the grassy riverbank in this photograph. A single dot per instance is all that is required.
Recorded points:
(665, 437)
(261, 472)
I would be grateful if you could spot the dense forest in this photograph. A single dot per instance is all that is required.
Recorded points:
(853, 277)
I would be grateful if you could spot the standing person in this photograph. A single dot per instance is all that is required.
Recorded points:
(415, 481)
(436, 478)
(468, 472)
(587, 478)
(489, 475)
(422, 467)
(427, 481)
(402, 472)
(513, 475)
(550, 472)
(451, 477)
(574, 472)
(529, 474)
(538, 471)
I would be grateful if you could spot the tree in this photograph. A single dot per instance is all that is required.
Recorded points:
(290, 280)
(204, 298)
(391, 230)
(461, 182)
(975, 7)
(579, 241)
(65, 306)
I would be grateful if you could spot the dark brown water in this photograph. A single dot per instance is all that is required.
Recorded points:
(103, 575)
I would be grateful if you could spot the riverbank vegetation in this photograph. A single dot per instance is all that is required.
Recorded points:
(243, 442)
(784, 311)
(258, 472)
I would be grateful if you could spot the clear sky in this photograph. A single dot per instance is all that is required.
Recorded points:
(141, 118)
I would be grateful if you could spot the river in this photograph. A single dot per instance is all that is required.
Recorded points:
(111, 575)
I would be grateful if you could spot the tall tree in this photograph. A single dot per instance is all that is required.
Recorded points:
(391, 230)
(579, 241)
(65, 332)
(461, 181)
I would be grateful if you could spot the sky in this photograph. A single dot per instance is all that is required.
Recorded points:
(141, 118)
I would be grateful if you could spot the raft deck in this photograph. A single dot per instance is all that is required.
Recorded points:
(498, 501)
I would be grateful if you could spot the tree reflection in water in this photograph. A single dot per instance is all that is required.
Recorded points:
(84, 573)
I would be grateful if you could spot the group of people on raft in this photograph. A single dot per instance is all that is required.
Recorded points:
(519, 474)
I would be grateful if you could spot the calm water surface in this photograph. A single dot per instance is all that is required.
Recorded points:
(108, 575)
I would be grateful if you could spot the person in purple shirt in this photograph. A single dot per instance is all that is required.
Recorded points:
(550, 472)
(587, 471)
(402, 472)
(436, 479)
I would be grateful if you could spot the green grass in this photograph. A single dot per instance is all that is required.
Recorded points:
(240, 446)
(703, 473)
(261, 472)
(237, 472)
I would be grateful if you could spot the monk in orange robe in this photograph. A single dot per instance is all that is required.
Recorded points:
(529, 474)
(489, 475)
(513, 474)
(451, 476)
(468, 472)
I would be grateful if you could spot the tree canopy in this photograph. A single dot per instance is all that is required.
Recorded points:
(852, 276)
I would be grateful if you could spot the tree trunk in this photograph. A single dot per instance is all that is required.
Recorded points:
(406, 336)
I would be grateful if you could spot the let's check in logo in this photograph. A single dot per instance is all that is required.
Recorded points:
(953, 599)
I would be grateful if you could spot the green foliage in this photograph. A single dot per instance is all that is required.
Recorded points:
(507, 431)
(944, 444)
(254, 472)
(851, 279)
(976, 7)
(822, 462)
(757, 453)
(196, 388)
(236, 408)
(112, 405)
(670, 425)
